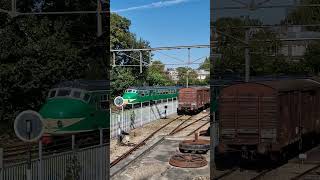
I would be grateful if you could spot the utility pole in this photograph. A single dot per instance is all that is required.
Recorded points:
(247, 56)
(189, 60)
(99, 19)
(13, 12)
(212, 117)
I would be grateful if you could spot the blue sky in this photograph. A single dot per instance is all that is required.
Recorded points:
(183, 22)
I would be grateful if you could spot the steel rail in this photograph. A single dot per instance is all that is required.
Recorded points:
(226, 173)
(260, 175)
(116, 161)
(173, 131)
(198, 129)
(306, 172)
(189, 124)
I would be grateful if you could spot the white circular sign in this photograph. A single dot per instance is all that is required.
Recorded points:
(118, 101)
(29, 126)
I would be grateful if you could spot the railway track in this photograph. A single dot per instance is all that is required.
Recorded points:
(113, 163)
(175, 130)
(308, 173)
(226, 174)
(260, 175)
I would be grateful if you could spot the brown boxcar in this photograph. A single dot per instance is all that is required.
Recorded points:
(265, 118)
(193, 100)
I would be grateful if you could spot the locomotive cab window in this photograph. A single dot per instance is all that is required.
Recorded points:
(86, 97)
(64, 92)
(76, 94)
(104, 103)
(52, 94)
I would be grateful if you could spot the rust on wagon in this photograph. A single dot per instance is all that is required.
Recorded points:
(193, 99)
(269, 114)
(188, 161)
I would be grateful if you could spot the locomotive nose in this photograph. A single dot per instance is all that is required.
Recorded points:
(61, 109)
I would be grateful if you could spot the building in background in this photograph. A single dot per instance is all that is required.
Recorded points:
(173, 74)
(295, 50)
(202, 74)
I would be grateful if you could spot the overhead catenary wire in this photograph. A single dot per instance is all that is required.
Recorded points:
(264, 7)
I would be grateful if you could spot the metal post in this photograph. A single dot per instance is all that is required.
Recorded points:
(111, 124)
(99, 19)
(141, 114)
(40, 160)
(247, 57)
(172, 108)
(213, 143)
(1, 158)
(29, 149)
(101, 154)
(122, 118)
(114, 58)
(140, 62)
(13, 8)
(1, 163)
(73, 141)
(189, 61)
(149, 111)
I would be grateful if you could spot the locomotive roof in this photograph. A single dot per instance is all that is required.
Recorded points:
(292, 84)
(153, 87)
(237, 80)
(197, 87)
(89, 85)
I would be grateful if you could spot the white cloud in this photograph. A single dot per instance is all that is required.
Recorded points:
(158, 4)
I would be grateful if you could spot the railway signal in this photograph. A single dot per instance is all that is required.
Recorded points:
(118, 101)
(29, 127)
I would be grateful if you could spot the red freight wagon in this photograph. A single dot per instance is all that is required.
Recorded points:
(268, 118)
(193, 100)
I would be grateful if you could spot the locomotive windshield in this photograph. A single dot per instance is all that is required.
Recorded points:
(131, 90)
(69, 93)
(63, 92)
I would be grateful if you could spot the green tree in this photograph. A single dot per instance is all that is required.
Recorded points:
(33, 57)
(305, 15)
(263, 45)
(157, 75)
(37, 52)
(122, 38)
(205, 65)
(312, 58)
(187, 72)
(121, 79)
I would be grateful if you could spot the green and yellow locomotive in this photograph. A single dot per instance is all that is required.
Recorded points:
(76, 107)
(135, 95)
